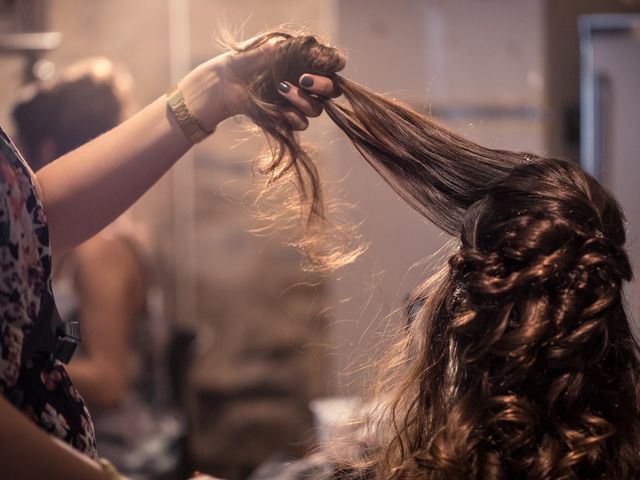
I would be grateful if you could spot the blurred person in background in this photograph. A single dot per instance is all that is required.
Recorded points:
(108, 283)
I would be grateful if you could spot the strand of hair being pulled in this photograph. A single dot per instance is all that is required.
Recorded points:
(440, 174)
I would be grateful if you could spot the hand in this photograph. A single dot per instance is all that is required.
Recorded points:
(217, 89)
(302, 99)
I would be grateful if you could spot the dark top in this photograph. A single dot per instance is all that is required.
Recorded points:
(39, 387)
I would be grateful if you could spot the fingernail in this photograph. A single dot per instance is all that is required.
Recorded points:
(283, 87)
(306, 82)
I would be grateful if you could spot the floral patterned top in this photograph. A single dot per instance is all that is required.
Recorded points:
(40, 387)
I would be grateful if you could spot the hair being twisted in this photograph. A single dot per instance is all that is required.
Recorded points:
(539, 329)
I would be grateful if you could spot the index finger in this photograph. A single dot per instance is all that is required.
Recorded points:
(318, 84)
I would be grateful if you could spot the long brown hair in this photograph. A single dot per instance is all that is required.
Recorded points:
(520, 362)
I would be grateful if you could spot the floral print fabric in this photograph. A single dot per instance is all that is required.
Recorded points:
(41, 388)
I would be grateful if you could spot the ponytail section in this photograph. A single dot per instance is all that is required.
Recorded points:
(438, 173)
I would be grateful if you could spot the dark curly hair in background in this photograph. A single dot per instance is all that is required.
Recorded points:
(520, 362)
(99, 94)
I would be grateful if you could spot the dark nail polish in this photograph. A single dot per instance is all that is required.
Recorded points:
(306, 82)
(283, 87)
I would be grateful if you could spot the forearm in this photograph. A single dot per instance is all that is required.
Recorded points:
(86, 189)
(28, 452)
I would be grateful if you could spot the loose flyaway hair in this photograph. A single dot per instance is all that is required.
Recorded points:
(519, 361)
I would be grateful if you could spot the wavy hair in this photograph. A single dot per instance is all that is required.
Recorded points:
(520, 361)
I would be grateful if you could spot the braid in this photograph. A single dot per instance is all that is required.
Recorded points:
(533, 326)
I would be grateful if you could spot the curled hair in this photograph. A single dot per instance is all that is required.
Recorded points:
(520, 361)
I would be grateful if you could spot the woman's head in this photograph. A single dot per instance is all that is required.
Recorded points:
(530, 341)
(550, 234)
(520, 361)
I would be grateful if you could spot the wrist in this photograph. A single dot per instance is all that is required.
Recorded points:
(202, 91)
(190, 125)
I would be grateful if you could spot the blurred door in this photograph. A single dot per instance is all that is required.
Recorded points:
(610, 144)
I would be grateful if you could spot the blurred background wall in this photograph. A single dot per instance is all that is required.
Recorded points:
(271, 337)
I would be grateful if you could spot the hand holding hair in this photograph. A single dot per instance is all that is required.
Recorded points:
(305, 98)
(217, 89)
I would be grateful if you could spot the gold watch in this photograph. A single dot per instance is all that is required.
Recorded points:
(188, 122)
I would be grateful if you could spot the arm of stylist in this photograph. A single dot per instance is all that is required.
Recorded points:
(86, 189)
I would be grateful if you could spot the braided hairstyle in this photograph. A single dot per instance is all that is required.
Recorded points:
(545, 382)
(520, 361)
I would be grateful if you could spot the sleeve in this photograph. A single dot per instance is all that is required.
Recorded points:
(11, 335)
(12, 312)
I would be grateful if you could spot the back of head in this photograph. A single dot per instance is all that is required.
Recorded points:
(542, 369)
(520, 361)
(86, 100)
